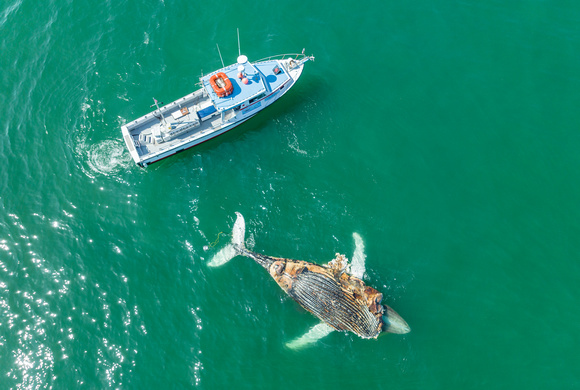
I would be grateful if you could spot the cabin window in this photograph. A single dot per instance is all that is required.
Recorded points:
(260, 96)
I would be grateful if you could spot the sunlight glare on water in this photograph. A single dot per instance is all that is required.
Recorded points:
(446, 135)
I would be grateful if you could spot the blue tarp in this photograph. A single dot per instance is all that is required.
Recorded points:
(206, 112)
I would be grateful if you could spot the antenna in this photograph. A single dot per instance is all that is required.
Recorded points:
(223, 66)
(239, 50)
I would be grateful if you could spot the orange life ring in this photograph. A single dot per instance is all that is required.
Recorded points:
(221, 84)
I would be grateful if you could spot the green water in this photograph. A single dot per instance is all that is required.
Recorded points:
(445, 134)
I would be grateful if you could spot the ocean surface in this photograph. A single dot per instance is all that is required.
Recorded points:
(445, 133)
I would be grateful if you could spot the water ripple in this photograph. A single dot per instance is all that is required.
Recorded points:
(108, 157)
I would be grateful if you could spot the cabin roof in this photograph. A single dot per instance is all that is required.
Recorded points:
(261, 78)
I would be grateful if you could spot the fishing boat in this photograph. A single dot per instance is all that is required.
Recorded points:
(226, 98)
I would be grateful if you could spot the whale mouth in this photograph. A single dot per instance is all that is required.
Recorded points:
(393, 322)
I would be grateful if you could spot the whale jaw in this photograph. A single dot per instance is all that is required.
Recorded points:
(393, 322)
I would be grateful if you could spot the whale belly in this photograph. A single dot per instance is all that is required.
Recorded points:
(324, 296)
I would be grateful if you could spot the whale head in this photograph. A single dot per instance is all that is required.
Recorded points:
(393, 322)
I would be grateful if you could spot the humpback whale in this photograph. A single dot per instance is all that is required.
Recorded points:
(334, 292)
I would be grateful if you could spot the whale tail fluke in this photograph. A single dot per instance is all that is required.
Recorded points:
(239, 231)
(233, 248)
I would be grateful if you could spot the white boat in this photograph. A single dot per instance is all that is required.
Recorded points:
(227, 97)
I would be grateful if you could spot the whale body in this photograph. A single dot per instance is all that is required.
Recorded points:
(331, 292)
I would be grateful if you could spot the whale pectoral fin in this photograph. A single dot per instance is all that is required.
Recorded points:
(313, 335)
(357, 266)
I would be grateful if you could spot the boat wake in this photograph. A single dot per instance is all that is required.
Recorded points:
(98, 157)
(106, 158)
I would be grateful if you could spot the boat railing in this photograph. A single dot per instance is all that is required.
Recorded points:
(295, 56)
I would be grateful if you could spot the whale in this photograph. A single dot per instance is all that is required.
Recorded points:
(334, 292)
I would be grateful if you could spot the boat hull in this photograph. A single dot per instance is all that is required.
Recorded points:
(201, 116)
(188, 145)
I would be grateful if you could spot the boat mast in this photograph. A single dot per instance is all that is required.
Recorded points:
(239, 50)
(158, 109)
(220, 53)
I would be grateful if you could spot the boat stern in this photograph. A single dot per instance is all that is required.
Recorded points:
(130, 144)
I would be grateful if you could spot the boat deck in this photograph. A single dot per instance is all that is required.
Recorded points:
(183, 116)
(242, 92)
